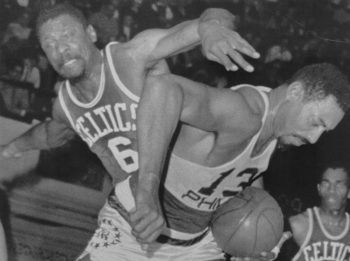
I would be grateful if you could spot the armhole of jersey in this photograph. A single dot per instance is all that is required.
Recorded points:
(115, 76)
(64, 106)
(262, 91)
(308, 235)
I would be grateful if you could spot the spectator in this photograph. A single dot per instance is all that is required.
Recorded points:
(105, 23)
(128, 26)
(30, 72)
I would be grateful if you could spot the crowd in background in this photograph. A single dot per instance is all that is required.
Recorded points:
(288, 34)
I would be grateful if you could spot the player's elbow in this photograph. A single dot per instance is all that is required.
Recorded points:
(162, 89)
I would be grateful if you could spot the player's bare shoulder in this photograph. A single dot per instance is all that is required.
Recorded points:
(246, 103)
(300, 226)
(122, 53)
(253, 99)
(128, 67)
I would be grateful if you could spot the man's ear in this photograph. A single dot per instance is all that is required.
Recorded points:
(318, 189)
(295, 91)
(92, 33)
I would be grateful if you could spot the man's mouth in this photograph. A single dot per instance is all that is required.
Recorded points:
(69, 62)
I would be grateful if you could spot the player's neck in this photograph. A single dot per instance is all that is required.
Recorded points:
(268, 129)
(331, 217)
(87, 86)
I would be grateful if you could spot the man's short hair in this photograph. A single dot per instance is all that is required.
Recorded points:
(321, 80)
(57, 10)
(334, 164)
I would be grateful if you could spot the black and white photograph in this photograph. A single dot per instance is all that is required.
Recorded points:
(174, 130)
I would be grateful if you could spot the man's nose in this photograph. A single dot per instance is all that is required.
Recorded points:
(61, 48)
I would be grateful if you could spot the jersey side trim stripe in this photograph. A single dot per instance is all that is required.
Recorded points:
(116, 78)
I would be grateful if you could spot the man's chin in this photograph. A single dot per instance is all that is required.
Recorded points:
(72, 76)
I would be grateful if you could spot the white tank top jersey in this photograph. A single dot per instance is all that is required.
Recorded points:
(192, 192)
(107, 123)
(319, 244)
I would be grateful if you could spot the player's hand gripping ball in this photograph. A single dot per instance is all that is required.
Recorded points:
(248, 224)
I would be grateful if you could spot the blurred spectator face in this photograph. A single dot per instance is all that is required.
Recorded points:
(28, 62)
(15, 73)
(24, 19)
(67, 44)
(128, 20)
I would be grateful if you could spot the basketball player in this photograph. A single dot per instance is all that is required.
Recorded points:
(99, 101)
(323, 233)
(226, 137)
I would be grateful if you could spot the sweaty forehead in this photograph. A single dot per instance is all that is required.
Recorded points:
(63, 22)
(335, 174)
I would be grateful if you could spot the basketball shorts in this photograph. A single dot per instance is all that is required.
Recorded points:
(113, 239)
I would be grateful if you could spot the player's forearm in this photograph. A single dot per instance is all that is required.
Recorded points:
(46, 135)
(33, 139)
(188, 34)
(158, 115)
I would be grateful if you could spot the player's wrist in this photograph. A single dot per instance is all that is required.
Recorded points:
(219, 17)
(205, 28)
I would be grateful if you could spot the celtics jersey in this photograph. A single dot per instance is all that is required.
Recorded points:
(108, 122)
(319, 244)
(194, 192)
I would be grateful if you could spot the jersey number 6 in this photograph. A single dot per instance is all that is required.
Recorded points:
(127, 158)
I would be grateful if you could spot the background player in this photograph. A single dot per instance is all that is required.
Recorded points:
(323, 233)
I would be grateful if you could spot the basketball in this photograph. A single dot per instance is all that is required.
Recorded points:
(248, 224)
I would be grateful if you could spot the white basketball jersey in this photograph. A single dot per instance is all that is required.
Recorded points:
(205, 188)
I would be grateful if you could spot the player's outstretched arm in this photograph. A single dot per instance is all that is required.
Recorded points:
(214, 30)
(45, 135)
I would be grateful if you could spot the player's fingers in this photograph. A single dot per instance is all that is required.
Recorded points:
(224, 59)
(238, 58)
(244, 47)
(150, 234)
(138, 214)
(285, 236)
(147, 221)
